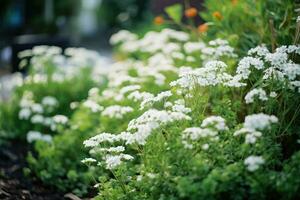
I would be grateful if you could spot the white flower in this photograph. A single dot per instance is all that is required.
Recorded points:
(194, 133)
(74, 105)
(150, 120)
(244, 66)
(117, 149)
(259, 92)
(178, 55)
(112, 161)
(254, 123)
(92, 105)
(49, 101)
(139, 178)
(140, 96)
(37, 119)
(122, 36)
(129, 88)
(273, 94)
(158, 98)
(35, 135)
(37, 108)
(93, 92)
(24, 113)
(259, 50)
(179, 108)
(252, 137)
(259, 121)
(191, 47)
(215, 121)
(60, 119)
(205, 146)
(212, 74)
(253, 162)
(88, 160)
(116, 111)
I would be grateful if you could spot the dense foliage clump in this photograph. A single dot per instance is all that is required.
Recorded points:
(195, 113)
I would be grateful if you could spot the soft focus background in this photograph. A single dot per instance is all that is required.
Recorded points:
(84, 23)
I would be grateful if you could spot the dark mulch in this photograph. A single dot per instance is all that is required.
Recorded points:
(13, 184)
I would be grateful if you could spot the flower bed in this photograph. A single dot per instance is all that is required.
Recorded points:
(184, 114)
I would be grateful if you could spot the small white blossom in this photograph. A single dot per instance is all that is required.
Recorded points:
(49, 101)
(37, 119)
(259, 121)
(257, 92)
(92, 105)
(253, 162)
(216, 122)
(35, 135)
(24, 113)
(60, 119)
(273, 94)
(113, 161)
(116, 111)
(37, 108)
(88, 160)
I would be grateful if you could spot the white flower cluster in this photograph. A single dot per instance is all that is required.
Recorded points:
(254, 162)
(60, 119)
(116, 111)
(150, 120)
(119, 76)
(91, 101)
(214, 50)
(140, 129)
(122, 36)
(88, 160)
(195, 133)
(35, 135)
(216, 122)
(244, 66)
(49, 101)
(156, 41)
(211, 126)
(272, 66)
(170, 42)
(112, 161)
(140, 96)
(158, 98)
(92, 105)
(38, 113)
(254, 124)
(66, 66)
(257, 92)
(30, 108)
(179, 107)
(212, 74)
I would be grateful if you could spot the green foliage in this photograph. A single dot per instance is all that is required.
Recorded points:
(249, 23)
(172, 123)
(175, 12)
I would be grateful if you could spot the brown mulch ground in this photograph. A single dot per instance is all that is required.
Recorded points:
(13, 184)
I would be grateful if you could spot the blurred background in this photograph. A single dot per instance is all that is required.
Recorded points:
(84, 23)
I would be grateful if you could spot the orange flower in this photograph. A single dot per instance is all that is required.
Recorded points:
(202, 28)
(191, 12)
(159, 20)
(217, 15)
(234, 2)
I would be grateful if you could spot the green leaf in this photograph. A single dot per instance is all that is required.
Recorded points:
(174, 12)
